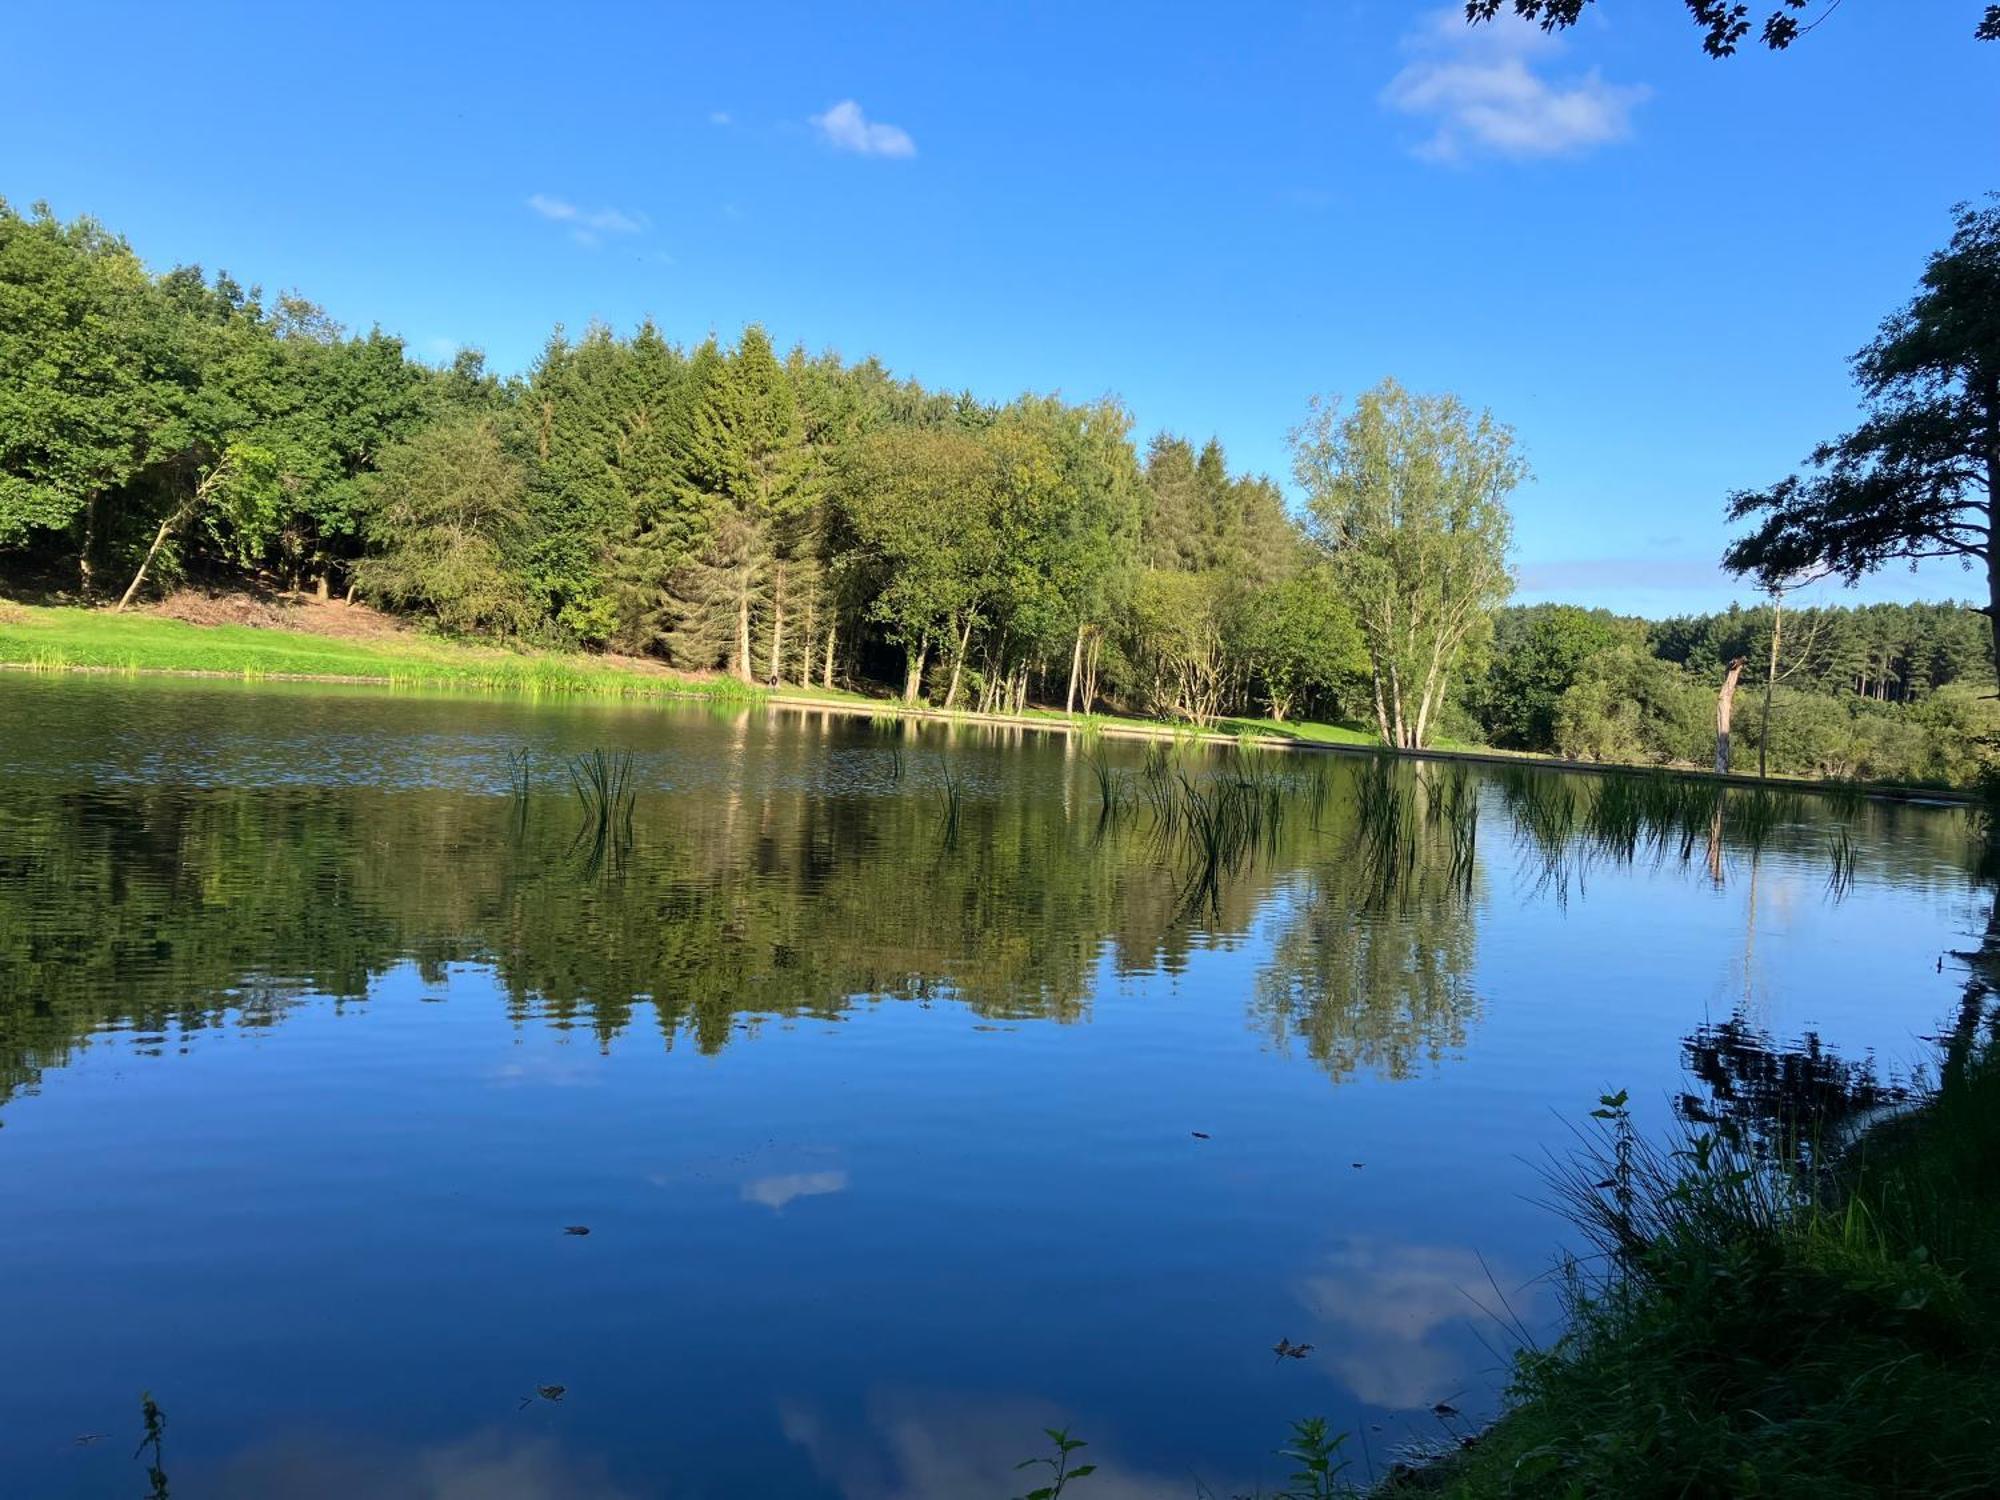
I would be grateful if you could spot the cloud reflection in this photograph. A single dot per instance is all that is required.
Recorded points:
(775, 1192)
(1396, 1306)
(914, 1446)
(485, 1466)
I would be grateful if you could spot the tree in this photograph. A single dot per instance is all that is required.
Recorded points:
(447, 527)
(242, 482)
(1723, 23)
(1180, 639)
(1920, 477)
(915, 503)
(1628, 706)
(1299, 640)
(85, 378)
(1536, 660)
(1408, 498)
(749, 466)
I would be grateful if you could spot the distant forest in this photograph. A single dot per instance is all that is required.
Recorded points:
(799, 519)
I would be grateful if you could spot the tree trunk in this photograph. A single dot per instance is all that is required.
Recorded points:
(1381, 709)
(778, 630)
(1770, 680)
(1725, 703)
(324, 587)
(85, 578)
(159, 539)
(744, 671)
(826, 673)
(1075, 671)
(958, 666)
(1993, 520)
(806, 641)
(913, 678)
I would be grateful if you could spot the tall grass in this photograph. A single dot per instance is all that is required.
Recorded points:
(1745, 1328)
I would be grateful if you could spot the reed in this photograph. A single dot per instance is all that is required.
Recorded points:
(603, 786)
(1841, 851)
(1113, 790)
(951, 791)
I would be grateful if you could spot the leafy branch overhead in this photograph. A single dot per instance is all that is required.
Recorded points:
(1724, 24)
(1919, 477)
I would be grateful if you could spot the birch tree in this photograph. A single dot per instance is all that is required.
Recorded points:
(1407, 497)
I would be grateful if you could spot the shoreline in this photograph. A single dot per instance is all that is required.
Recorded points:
(644, 686)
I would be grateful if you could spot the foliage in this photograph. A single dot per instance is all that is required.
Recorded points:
(1746, 1332)
(1408, 496)
(1297, 638)
(447, 528)
(1537, 655)
(1061, 1472)
(1723, 23)
(1626, 706)
(800, 519)
(1920, 476)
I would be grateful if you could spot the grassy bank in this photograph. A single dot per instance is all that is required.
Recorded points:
(62, 639)
(1739, 1334)
(59, 639)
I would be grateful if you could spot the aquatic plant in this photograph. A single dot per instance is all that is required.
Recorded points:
(603, 787)
(1751, 817)
(1112, 789)
(1320, 1467)
(1840, 849)
(604, 791)
(150, 1446)
(951, 789)
(520, 778)
(1544, 808)
(1061, 1473)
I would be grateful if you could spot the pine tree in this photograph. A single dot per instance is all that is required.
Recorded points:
(747, 463)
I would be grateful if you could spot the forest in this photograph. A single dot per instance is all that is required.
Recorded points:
(797, 519)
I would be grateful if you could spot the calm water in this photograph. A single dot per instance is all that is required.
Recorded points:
(314, 1040)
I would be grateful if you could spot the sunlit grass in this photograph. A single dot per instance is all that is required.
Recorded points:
(63, 640)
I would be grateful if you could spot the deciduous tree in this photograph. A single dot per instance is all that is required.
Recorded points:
(1408, 497)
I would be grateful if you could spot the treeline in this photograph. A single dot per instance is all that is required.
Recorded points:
(786, 518)
(798, 519)
(1883, 691)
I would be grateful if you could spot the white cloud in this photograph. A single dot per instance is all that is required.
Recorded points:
(846, 128)
(587, 226)
(719, 117)
(1488, 91)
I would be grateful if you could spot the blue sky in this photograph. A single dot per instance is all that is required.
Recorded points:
(1652, 264)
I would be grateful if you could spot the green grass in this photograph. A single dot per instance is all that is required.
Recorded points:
(1312, 734)
(1743, 1335)
(71, 639)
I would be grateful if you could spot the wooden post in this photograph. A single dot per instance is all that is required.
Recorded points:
(1725, 703)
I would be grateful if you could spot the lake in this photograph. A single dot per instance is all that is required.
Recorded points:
(899, 1134)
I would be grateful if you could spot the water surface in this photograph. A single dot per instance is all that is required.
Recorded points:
(893, 1148)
